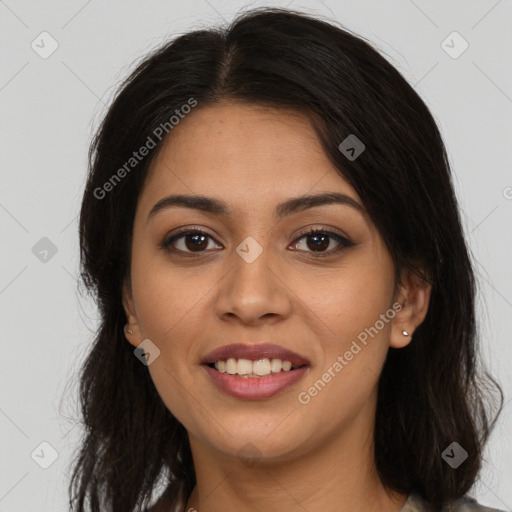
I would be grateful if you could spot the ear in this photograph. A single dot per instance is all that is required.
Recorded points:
(132, 323)
(414, 296)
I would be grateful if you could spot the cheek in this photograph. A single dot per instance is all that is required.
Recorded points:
(343, 302)
(349, 312)
(350, 363)
(167, 298)
(170, 308)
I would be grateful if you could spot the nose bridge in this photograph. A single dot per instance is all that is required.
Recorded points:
(253, 287)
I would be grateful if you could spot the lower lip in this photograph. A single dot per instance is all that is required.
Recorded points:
(257, 387)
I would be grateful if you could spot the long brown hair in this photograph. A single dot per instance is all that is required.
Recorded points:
(431, 393)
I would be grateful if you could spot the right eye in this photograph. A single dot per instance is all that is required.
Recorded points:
(191, 241)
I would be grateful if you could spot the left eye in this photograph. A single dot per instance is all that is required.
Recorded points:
(319, 241)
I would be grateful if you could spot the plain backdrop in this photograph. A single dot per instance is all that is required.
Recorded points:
(49, 108)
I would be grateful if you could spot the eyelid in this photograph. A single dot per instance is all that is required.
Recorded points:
(186, 229)
(328, 230)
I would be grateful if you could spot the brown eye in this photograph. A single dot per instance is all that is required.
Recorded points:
(193, 241)
(317, 241)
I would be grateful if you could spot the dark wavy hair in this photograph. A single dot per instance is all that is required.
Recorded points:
(431, 393)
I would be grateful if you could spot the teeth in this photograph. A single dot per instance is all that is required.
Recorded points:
(259, 367)
(246, 367)
(231, 366)
(286, 365)
(275, 365)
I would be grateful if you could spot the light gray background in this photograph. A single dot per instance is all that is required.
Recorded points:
(49, 109)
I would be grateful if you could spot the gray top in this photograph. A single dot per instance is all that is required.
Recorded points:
(413, 504)
(465, 504)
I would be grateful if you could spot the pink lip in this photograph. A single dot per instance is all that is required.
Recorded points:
(253, 353)
(257, 387)
(254, 388)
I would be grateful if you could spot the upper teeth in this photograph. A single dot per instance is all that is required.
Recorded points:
(246, 366)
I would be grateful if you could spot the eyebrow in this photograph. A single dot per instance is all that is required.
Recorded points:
(288, 207)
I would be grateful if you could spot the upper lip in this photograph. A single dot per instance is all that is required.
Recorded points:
(253, 353)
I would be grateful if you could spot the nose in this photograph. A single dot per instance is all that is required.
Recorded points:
(254, 291)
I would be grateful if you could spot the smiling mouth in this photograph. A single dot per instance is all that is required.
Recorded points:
(256, 379)
(257, 369)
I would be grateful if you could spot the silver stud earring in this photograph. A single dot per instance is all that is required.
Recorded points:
(405, 333)
(127, 330)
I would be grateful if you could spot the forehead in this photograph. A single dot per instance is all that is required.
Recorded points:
(248, 154)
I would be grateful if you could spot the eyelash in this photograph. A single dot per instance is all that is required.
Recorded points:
(344, 242)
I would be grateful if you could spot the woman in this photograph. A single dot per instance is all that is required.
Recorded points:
(287, 301)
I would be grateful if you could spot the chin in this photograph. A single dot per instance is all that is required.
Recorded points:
(252, 446)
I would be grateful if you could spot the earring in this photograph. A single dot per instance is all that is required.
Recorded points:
(405, 333)
(127, 330)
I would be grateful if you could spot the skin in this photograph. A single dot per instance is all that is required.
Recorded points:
(313, 457)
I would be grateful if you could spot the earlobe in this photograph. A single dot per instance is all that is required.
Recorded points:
(399, 338)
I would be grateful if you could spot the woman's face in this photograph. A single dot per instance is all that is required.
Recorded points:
(256, 279)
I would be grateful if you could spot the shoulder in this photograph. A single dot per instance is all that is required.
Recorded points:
(468, 504)
(172, 500)
(415, 503)
(176, 505)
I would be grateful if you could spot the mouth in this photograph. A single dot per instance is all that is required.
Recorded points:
(247, 369)
(254, 371)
